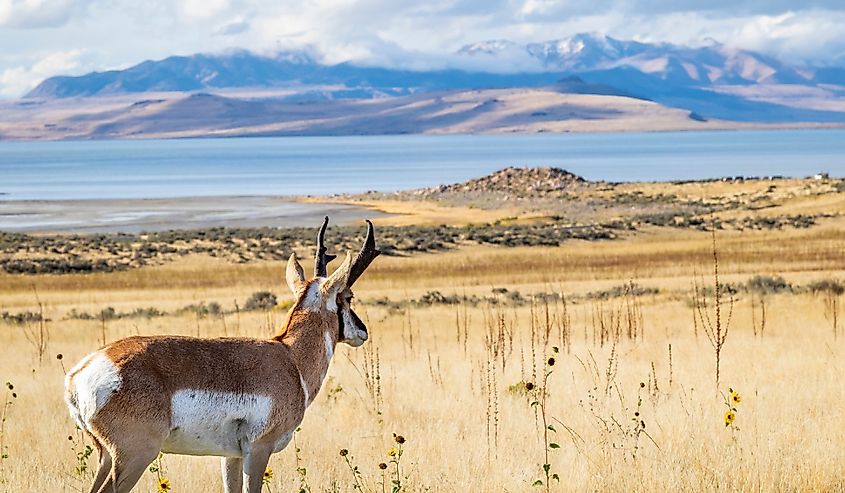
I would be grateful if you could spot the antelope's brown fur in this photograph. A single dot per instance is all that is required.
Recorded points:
(242, 397)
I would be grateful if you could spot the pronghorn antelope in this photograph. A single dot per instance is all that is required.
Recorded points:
(237, 398)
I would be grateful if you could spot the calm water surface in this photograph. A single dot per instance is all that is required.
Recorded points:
(326, 165)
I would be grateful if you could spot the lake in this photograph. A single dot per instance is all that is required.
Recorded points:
(142, 169)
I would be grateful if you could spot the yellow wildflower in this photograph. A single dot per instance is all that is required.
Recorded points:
(735, 397)
(392, 452)
(730, 416)
(163, 485)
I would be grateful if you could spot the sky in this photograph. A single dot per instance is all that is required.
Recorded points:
(41, 38)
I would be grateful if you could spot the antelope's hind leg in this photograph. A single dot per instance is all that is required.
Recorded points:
(131, 452)
(104, 467)
(128, 468)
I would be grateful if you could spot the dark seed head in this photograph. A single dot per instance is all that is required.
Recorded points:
(382, 466)
(642, 384)
(400, 439)
(529, 386)
(14, 395)
(551, 362)
(10, 386)
(637, 413)
(59, 356)
(343, 452)
(70, 438)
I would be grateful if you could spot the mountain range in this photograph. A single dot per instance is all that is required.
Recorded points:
(708, 82)
(588, 55)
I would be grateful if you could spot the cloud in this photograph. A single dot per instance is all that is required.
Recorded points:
(376, 31)
(17, 80)
(203, 9)
(38, 13)
(561, 9)
(815, 36)
(233, 28)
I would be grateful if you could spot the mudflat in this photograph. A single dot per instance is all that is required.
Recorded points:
(137, 215)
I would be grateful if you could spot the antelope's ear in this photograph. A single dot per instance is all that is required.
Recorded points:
(294, 275)
(339, 278)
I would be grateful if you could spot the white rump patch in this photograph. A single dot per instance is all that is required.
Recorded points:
(204, 422)
(90, 388)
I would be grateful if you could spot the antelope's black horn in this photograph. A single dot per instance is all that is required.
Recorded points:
(365, 257)
(322, 259)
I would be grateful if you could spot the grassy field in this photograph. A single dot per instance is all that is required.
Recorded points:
(630, 403)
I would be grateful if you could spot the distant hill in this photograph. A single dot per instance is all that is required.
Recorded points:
(554, 108)
(519, 182)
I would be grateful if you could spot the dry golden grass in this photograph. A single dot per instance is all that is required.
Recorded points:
(404, 213)
(444, 391)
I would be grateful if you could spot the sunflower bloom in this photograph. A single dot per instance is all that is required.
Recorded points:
(163, 485)
(730, 416)
(392, 452)
(735, 397)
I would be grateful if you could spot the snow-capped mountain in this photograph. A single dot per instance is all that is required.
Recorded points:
(492, 47)
(583, 52)
(710, 64)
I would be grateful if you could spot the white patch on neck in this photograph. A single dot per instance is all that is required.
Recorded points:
(329, 347)
(208, 422)
(304, 387)
(90, 385)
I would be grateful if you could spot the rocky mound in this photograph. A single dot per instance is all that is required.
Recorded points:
(516, 181)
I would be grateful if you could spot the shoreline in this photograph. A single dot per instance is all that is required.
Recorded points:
(95, 216)
(724, 126)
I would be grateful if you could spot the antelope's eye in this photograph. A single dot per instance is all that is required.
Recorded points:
(349, 298)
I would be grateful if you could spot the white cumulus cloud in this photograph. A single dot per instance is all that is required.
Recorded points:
(17, 80)
(203, 9)
(38, 13)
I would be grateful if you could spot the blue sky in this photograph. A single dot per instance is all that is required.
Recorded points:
(40, 38)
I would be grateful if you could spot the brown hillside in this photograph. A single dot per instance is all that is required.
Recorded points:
(516, 181)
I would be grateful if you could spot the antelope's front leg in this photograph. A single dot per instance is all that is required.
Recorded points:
(255, 463)
(233, 481)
